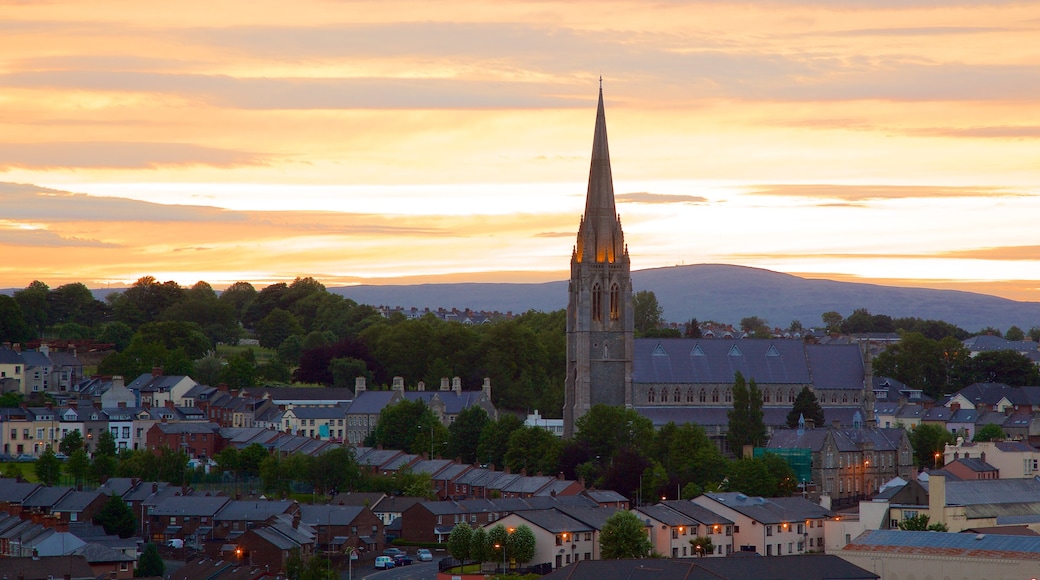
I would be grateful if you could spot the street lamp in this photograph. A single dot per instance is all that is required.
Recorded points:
(937, 460)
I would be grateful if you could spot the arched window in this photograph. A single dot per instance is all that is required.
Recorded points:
(844, 397)
(689, 395)
(704, 396)
(729, 396)
(834, 397)
(676, 395)
(765, 396)
(615, 302)
(597, 303)
(715, 396)
(790, 396)
(650, 395)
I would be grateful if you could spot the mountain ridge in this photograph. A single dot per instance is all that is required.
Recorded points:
(724, 293)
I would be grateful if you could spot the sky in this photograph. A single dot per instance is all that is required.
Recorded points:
(399, 142)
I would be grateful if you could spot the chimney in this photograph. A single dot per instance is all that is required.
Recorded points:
(444, 384)
(117, 382)
(169, 404)
(72, 403)
(359, 386)
(486, 387)
(398, 384)
(156, 371)
(456, 385)
(155, 487)
(45, 350)
(421, 386)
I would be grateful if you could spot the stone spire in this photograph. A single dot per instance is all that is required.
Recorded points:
(600, 238)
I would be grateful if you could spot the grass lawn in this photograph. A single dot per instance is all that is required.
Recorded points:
(262, 355)
(26, 467)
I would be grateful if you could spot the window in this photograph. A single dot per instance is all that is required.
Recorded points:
(766, 396)
(715, 396)
(729, 396)
(615, 302)
(650, 397)
(676, 395)
(689, 395)
(703, 396)
(588, 538)
(769, 530)
(597, 303)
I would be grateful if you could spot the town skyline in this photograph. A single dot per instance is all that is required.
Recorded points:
(891, 143)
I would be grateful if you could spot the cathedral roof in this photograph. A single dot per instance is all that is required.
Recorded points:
(600, 238)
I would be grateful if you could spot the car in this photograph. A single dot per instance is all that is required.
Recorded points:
(384, 562)
(424, 555)
(25, 457)
(61, 456)
(402, 560)
(391, 551)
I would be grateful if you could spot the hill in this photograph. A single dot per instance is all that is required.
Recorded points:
(726, 294)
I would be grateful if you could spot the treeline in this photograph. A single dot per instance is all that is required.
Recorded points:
(316, 337)
(615, 448)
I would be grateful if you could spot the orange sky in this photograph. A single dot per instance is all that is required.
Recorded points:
(356, 141)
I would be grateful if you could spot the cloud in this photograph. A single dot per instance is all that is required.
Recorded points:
(1002, 253)
(118, 155)
(41, 238)
(996, 132)
(875, 192)
(30, 203)
(657, 198)
(1012, 253)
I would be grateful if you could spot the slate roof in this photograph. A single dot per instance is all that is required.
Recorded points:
(991, 491)
(308, 412)
(253, 510)
(336, 515)
(96, 553)
(555, 522)
(947, 545)
(698, 513)
(593, 516)
(147, 382)
(816, 567)
(771, 510)
(16, 491)
(883, 438)
(372, 402)
(395, 504)
(666, 516)
(10, 357)
(189, 505)
(76, 501)
(31, 359)
(377, 457)
(431, 466)
(678, 360)
(975, 464)
(47, 567)
(279, 394)
(46, 497)
(188, 427)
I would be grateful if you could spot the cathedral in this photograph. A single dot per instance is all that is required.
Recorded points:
(681, 380)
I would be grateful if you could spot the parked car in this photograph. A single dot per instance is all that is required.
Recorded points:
(61, 456)
(402, 560)
(424, 555)
(25, 457)
(391, 551)
(384, 562)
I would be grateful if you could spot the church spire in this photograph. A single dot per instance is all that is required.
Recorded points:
(600, 238)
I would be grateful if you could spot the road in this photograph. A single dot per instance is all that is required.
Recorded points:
(417, 571)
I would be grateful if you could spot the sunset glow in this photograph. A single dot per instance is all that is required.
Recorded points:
(896, 142)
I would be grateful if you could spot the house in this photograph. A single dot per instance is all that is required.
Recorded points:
(389, 508)
(47, 568)
(79, 506)
(846, 464)
(117, 395)
(15, 426)
(559, 538)
(965, 468)
(363, 413)
(236, 517)
(156, 389)
(339, 526)
(965, 504)
(270, 547)
(554, 426)
(1012, 459)
(185, 517)
(107, 562)
(325, 423)
(903, 554)
(13, 367)
(816, 568)
(45, 430)
(777, 526)
(196, 438)
(37, 372)
(671, 535)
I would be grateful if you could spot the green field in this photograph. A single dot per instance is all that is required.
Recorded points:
(26, 467)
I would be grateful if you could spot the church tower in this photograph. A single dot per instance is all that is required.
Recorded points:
(600, 322)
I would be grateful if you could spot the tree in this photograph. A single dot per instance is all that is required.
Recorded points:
(755, 326)
(459, 541)
(276, 327)
(647, 312)
(71, 442)
(831, 321)
(48, 467)
(990, 432)
(106, 444)
(498, 542)
(479, 549)
(150, 565)
(607, 429)
(688, 456)
(806, 405)
(766, 476)
(1015, 333)
(1034, 333)
(13, 327)
(702, 545)
(522, 544)
(33, 302)
(624, 536)
(239, 296)
(1002, 366)
(919, 523)
(494, 439)
(534, 450)
(692, 329)
(116, 517)
(927, 441)
(78, 465)
(464, 433)
(746, 422)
